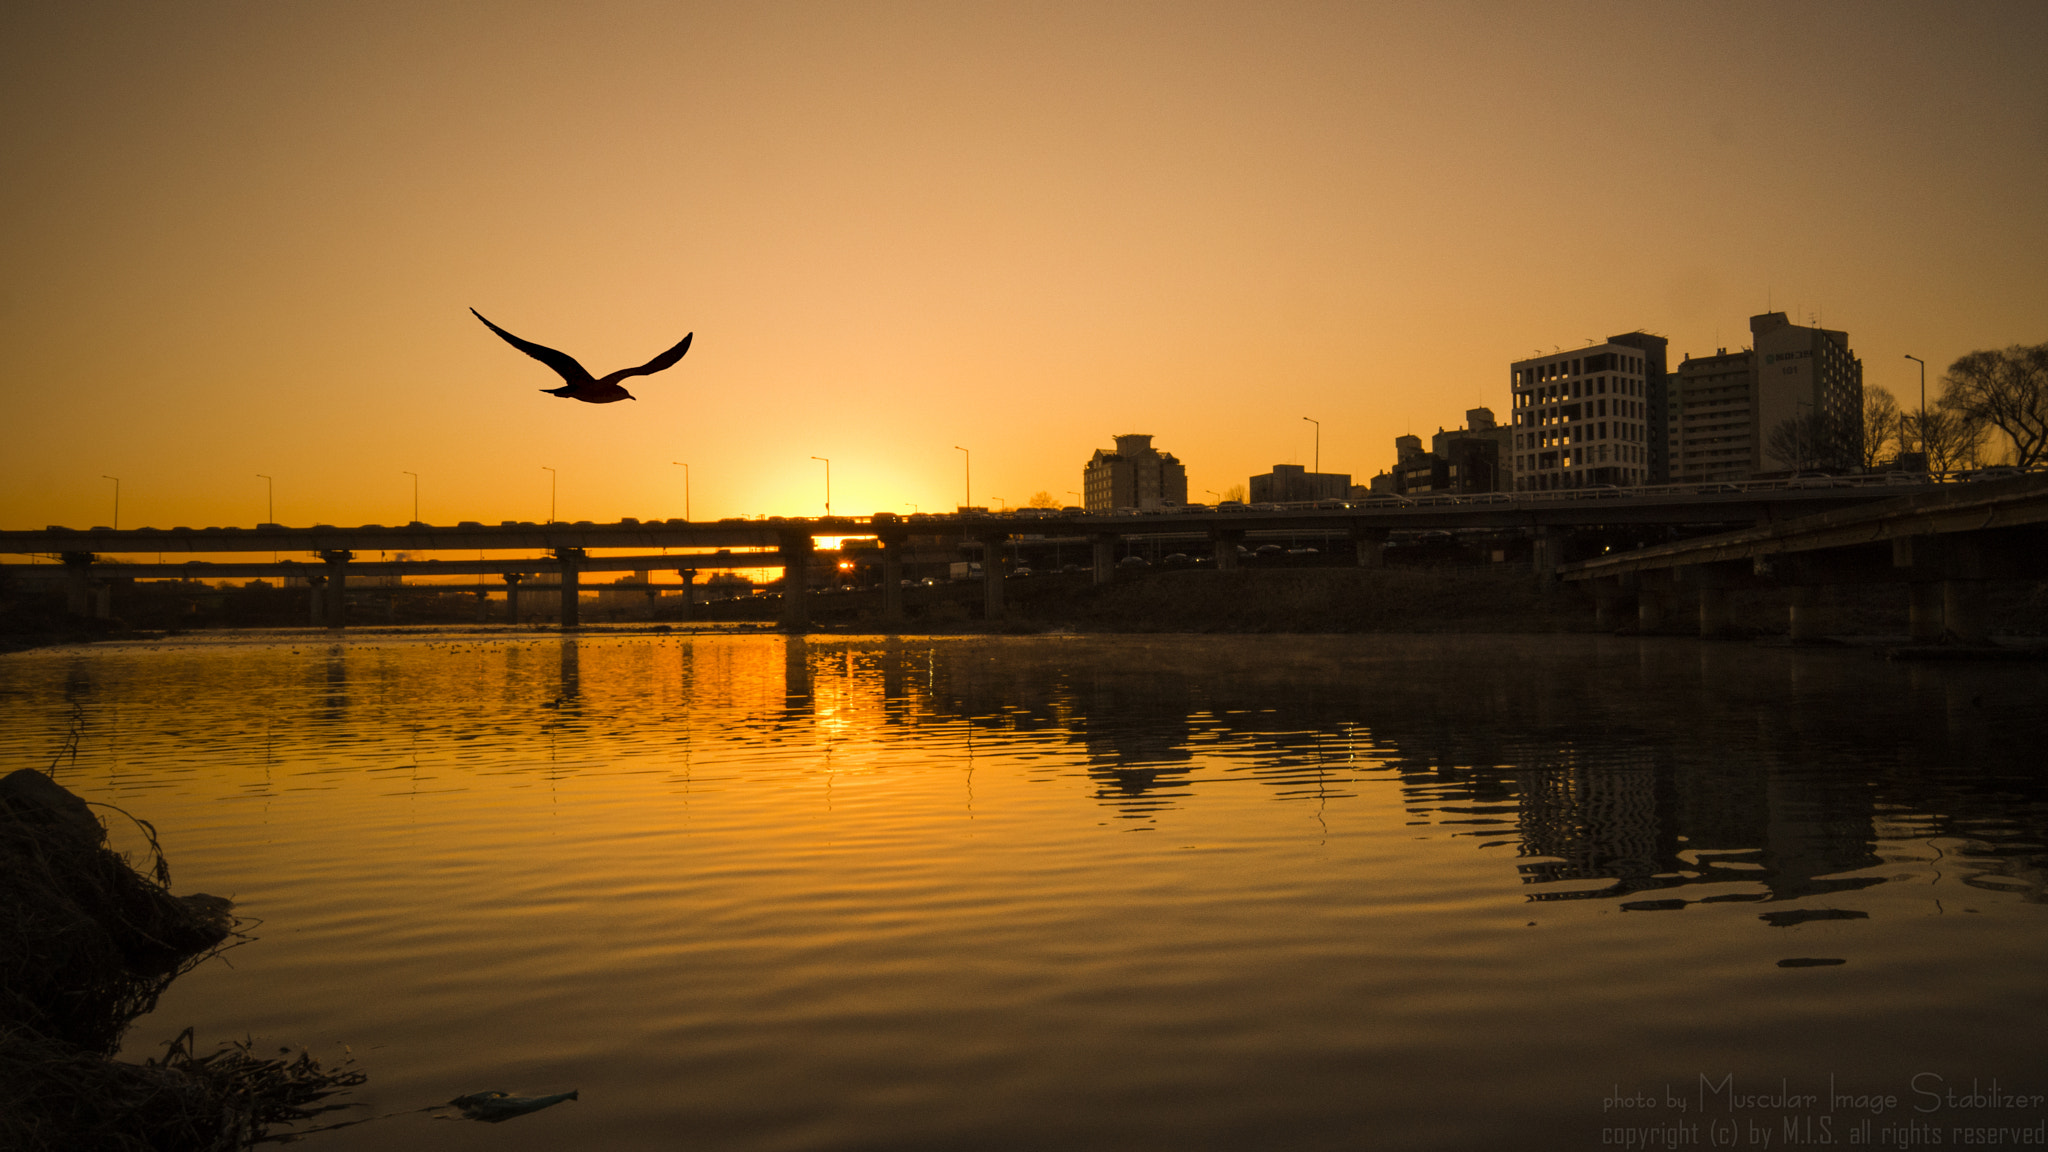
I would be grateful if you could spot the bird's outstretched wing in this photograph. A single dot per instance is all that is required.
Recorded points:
(564, 364)
(666, 359)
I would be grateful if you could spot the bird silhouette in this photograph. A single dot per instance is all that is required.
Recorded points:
(580, 384)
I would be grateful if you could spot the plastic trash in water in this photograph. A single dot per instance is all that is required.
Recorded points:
(496, 1107)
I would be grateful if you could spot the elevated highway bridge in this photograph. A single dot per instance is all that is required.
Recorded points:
(1945, 543)
(328, 556)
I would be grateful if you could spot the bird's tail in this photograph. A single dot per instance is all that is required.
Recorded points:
(564, 390)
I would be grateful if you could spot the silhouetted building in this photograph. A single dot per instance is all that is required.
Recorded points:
(1803, 383)
(1656, 398)
(1291, 483)
(1467, 459)
(1583, 417)
(1133, 475)
(1382, 483)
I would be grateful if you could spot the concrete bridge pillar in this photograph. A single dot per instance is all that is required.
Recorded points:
(315, 585)
(992, 577)
(1105, 557)
(1805, 613)
(1653, 597)
(1372, 546)
(512, 580)
(1224, 546)
(1613, 601)
(892, 578)
(336, 599)
(103, 602)
(796, 582)
(77, 582)
(1962, 610)
(689, 602)
(570, 560)
(1714, 619)
(1962, 592)
(1546, 553)
(1924, 614)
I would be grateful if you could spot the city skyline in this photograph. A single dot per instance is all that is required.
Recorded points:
(244, 243)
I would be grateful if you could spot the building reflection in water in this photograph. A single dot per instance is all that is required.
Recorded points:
(1657, 772)
(1654, 772)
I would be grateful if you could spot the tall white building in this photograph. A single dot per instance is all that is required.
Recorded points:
(1801, 385)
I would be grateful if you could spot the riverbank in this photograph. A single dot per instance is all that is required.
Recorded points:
(87, 945)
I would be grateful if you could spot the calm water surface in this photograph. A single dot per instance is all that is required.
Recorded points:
(1130, 892)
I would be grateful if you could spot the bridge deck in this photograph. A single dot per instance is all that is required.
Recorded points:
(2018, 502)
(1491, 511)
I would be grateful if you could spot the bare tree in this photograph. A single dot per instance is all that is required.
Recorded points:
(1797, 443)
(1041, 499)
(1235, 492)
(2006, 390)
(1950, 438)
(1883, 427)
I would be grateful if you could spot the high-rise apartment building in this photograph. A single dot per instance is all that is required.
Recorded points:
(1793, 400)
(1133, 475)
(1582, 417)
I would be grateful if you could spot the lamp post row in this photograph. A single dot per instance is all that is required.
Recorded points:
(966, 492)
(1923, 406)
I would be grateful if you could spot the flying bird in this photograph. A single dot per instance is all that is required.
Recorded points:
(580, 384)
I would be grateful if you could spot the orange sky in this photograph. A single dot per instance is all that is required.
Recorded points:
(240, 238)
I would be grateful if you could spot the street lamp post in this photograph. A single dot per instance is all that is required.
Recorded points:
(967, 490)
(686, 486)
(915, 510)
(415, 493)
(1923, 406)
(1798, 436)
(117, 499)
(269, 498)
(1319, 441)
(828, 484)
(551, 492)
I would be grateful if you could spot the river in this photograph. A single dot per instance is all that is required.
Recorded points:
(760, 893)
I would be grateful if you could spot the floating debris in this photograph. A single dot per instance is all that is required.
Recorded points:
(1810, 962)
(496, 1107)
